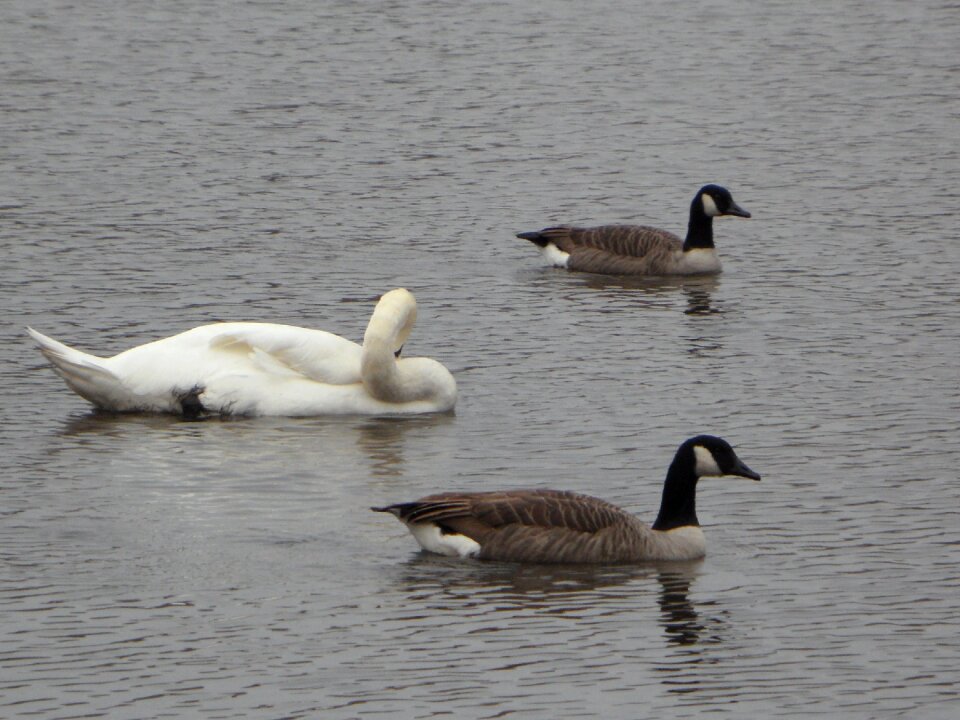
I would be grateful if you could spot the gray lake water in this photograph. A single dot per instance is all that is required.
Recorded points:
(170, 164)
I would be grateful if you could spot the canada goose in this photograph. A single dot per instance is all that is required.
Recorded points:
(638, 249)
(247, 368)
(543, 526)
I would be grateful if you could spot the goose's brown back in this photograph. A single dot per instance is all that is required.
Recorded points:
(617, 249)
(535, 525)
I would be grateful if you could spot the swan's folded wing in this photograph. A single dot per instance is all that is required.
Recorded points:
(286, 350)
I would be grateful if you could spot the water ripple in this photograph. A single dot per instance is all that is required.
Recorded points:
(176, 164)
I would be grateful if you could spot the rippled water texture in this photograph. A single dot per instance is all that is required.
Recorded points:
(168, 164)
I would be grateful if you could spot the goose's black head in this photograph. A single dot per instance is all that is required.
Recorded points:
(714, 456)
(697, 457)
(716, 201)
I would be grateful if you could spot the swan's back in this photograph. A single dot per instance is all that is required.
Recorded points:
(251, 346)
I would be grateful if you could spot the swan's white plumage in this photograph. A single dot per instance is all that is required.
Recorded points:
(250, 368)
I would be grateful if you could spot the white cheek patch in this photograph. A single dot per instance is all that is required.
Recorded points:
(554, 255)
(709, 206)
(432, 540)
(706, 464)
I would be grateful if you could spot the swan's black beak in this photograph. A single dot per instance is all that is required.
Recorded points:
(742, 470)
(735, 209)
(396, 353)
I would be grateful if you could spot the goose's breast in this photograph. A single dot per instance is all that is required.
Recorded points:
(699, 261)
(682, 543)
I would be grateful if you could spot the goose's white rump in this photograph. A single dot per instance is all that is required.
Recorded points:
(247, 368)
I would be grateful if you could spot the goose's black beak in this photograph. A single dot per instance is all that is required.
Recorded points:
(735, 209)
(743, 471)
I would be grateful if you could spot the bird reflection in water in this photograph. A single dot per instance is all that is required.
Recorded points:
(382, 440)
(699, 302)
(681, 621)
(564, 590)
(109, 424)
(656, 291)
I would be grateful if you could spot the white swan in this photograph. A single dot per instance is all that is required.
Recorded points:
(247, 368)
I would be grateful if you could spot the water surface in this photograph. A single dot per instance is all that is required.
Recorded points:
(167, 165)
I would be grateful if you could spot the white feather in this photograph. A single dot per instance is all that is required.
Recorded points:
(697, 261)
(433, 540)
(709, 206)
(554, 255)
(266, 369)
(706, 463)
(682, 543)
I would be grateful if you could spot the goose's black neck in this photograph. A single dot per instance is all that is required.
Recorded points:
(678, 507)
(700, 229)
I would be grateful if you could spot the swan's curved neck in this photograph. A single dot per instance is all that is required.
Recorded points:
(678, 507)
(389, 327)
(700, 227)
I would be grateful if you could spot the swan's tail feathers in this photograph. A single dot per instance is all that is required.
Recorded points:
(85, 374)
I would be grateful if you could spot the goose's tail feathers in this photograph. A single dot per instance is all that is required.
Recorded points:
(535, 237)
(85, 374)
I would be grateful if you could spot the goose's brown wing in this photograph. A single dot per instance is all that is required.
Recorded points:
(615, 249)
(623, 240)
(528, 525)
(536, 508)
